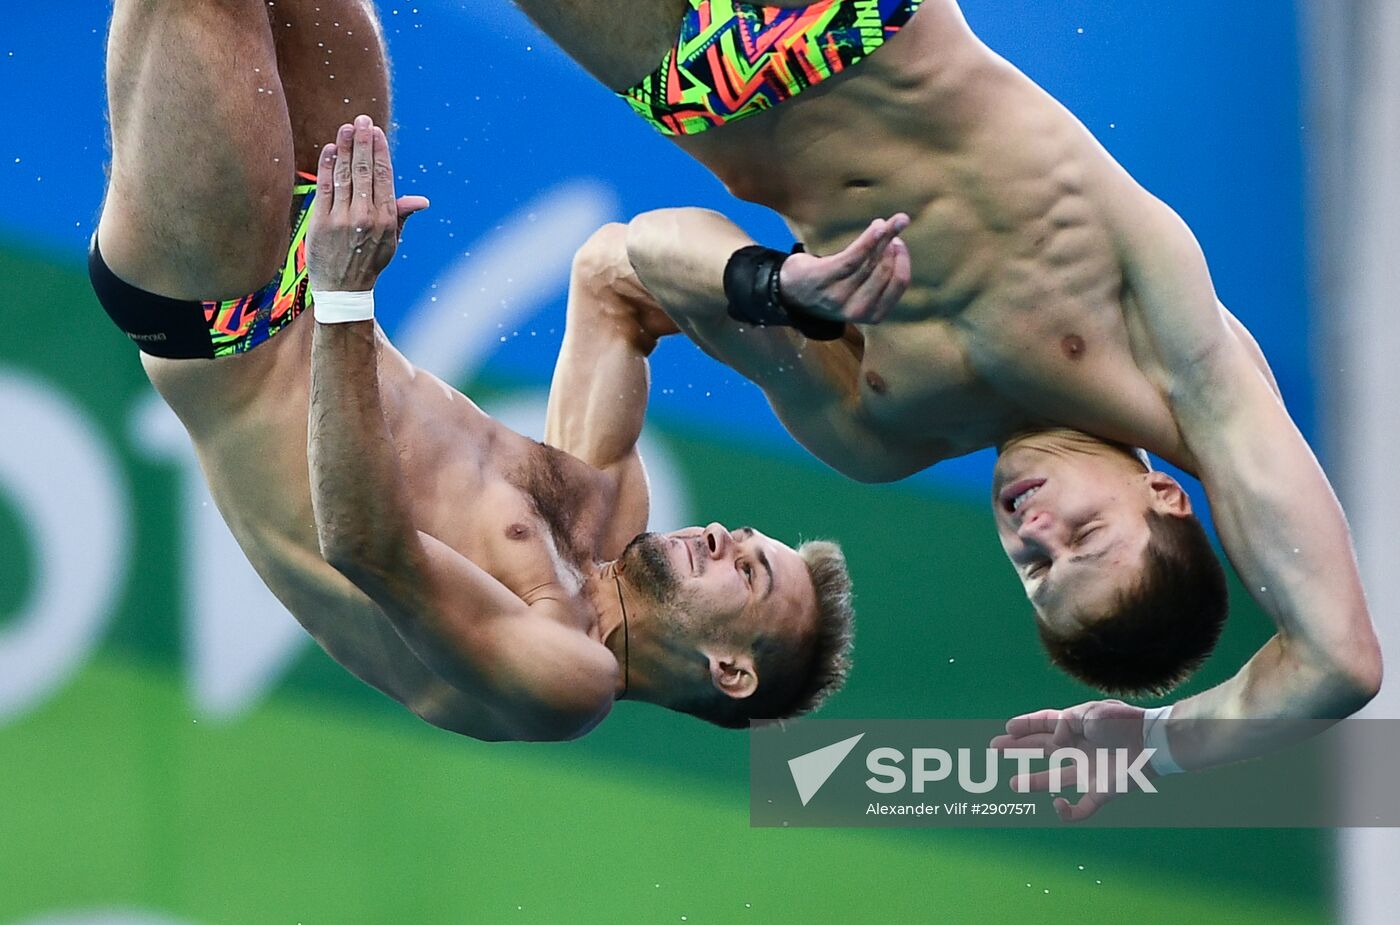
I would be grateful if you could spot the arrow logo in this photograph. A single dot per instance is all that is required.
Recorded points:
(812, 770)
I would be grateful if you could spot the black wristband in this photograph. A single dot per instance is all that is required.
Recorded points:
(751, 285)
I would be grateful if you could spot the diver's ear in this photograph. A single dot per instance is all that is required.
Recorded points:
(733, 674)
(1168, 497)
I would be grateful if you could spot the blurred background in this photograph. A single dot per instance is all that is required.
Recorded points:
(174, 750)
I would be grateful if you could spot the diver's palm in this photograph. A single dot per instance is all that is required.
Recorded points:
(859, 284)
(1111, 725)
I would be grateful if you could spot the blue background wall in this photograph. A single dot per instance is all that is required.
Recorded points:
(1198, 99)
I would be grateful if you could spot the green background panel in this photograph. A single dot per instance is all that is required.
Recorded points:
(16, 554)
(301, 813)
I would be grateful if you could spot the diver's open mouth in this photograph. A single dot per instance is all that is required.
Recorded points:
(1014, 496)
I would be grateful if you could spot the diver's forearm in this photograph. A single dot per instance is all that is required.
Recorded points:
(680, 256)
(599, 393)
(1283, 695)
(1287, 537)
(361, 511)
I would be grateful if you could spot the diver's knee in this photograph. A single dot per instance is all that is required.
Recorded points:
(219, 264)
(603, 256)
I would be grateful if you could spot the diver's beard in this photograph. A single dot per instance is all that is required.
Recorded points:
(648, 569)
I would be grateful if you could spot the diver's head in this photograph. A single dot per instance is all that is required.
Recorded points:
(1128, 594)
(733, 626)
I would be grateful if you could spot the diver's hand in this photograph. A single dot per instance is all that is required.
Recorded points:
(1099, 724)
(355, 228)
(859, 284)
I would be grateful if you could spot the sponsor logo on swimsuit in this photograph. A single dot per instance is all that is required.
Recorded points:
(146, 337)
(868, 22)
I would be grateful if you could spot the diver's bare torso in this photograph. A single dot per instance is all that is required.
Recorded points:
(1017, 315)
(531, 516)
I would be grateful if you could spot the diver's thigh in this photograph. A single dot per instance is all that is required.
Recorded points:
(201, 179)
(618, 43)
(334, 67)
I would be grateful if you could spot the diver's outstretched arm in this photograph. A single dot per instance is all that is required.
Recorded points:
(1274, 510)
(1278, 520)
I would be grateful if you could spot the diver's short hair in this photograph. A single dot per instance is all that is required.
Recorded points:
(797, 676)
(1159, 631)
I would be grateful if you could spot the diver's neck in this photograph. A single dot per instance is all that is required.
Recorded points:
(625, 625)
(605, 592)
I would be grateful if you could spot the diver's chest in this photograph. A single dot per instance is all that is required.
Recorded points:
(919, 389)
(1050, 355)
(515, 537)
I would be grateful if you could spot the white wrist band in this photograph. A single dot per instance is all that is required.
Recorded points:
(343, 307)
(1154, 736)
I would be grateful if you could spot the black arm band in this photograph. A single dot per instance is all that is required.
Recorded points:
(751, 285)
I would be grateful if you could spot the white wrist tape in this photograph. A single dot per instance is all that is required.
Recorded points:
(343, 307)
(1154, 736)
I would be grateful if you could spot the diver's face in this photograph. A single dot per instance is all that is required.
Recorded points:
(718, 585)
(1074, 526)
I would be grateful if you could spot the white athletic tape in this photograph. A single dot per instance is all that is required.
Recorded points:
(343, 307)
(1154, 736)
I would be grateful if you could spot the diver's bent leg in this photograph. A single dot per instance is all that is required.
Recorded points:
(201, 178)
(618, 43)
(334, 66)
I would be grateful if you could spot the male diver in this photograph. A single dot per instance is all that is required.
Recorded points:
(1031, 297)
(497, 587)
